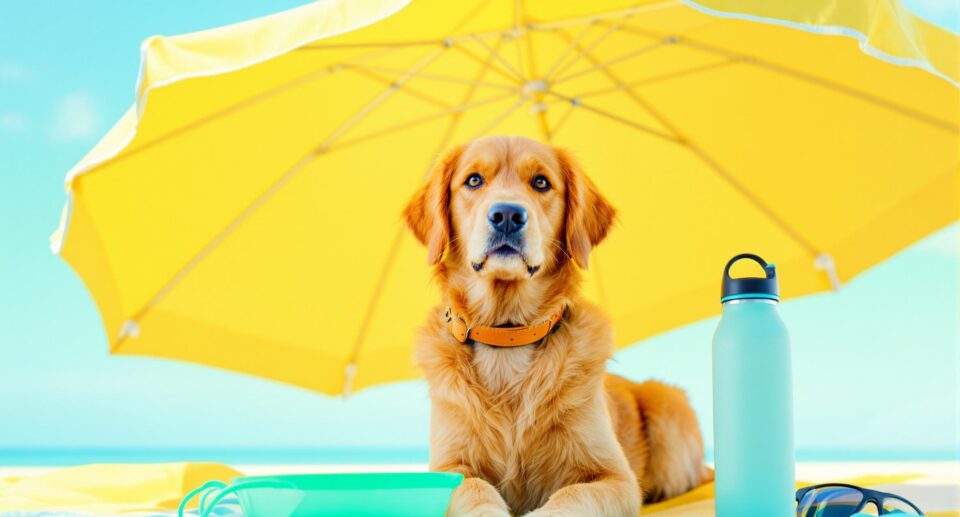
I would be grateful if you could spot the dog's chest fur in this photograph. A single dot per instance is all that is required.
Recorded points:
(503, 370)
(525, 415)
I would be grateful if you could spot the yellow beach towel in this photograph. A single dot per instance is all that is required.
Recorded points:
(109, 488)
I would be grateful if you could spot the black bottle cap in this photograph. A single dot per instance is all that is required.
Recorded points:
(750, 287)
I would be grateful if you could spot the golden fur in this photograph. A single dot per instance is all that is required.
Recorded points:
(539, 429)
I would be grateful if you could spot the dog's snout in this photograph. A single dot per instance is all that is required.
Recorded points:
(507, 218)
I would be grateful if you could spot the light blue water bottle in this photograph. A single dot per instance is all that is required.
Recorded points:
(752, 399)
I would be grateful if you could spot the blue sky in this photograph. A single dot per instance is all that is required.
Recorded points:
(875, 365)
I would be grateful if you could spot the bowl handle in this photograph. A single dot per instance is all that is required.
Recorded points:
(219, 490)
(205, 489)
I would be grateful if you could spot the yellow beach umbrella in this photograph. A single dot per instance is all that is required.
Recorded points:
(245, 213)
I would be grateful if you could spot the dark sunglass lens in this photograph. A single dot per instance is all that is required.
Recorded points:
(829, 501)
(893, 506)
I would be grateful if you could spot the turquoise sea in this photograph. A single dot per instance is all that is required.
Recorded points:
(235, 456)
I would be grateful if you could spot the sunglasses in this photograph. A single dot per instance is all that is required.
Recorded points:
(841, 500)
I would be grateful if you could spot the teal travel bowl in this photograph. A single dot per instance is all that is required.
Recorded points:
(357, 495)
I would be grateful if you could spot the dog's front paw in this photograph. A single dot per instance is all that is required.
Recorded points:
(477, 498)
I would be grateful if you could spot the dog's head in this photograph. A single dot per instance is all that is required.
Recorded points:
(508, 208)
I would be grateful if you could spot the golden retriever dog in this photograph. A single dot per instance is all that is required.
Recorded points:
(538, 429)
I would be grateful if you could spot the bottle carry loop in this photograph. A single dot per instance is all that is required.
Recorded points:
(738, 258)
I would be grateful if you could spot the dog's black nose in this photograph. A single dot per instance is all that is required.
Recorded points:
(507, 218)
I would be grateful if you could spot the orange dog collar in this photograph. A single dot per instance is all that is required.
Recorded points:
(500, 336)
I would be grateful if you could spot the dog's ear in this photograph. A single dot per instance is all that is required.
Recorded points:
(428, 212)
(589, 215)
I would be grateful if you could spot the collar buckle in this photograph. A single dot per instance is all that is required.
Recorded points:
(457, 326)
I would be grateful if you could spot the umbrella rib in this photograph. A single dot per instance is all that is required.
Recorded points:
(745, 192)
(378, 100)
(660, 78)
(500, 118)
(803, 76)
(476, 58)
(563, 118)
(574, 44)
(398, 238)
(697, 150)
(456, 111)
(612, 77)
(578, 103)
(408, 90)
(485, 66)
(498, 57)
(462, 23)
(602, 65)
(422, 120)
(436, 77)
(593, 44)
(837, 87)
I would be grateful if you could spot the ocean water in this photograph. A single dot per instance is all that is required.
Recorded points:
(360, 456)
(237, 456)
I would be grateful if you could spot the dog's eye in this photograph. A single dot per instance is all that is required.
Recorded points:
(474, 180)
(540, 184)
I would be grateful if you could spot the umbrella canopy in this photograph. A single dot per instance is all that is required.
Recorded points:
(245, 213)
